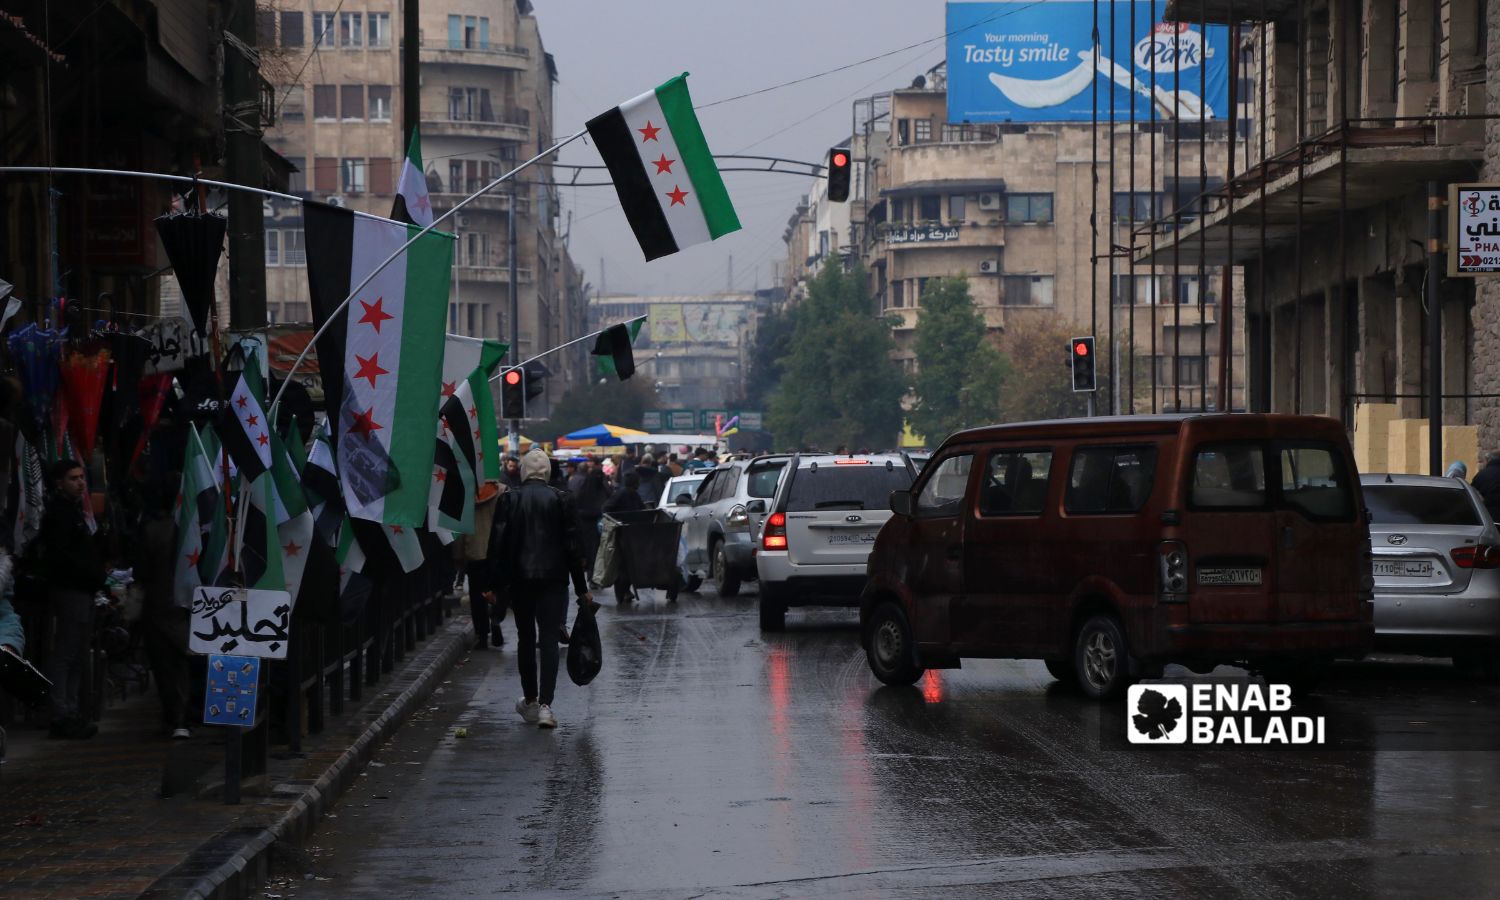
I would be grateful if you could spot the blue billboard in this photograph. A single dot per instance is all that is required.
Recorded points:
(1029, 61)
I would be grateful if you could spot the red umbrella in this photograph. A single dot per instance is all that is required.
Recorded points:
(84, 374)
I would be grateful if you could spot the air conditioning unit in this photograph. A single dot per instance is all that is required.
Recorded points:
(989, 267)
(989, 201)
(337, 200)
(462, 220)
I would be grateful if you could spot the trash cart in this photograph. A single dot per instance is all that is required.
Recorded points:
(646, 548)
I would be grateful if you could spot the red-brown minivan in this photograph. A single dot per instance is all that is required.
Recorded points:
(1109, 547)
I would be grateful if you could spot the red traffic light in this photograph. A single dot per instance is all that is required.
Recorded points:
(513, 377)
(1081, 348)
(840, 160)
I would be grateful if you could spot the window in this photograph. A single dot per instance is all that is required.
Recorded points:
(1027, 290)
(898, 293)
(291, 29)
(1029, 208)
(294, 104)
(352, 174)
(464, 104)
(380, 175)
(323, 34)
(325, 102)
(942, 494)
(1144, 208)
(484, 33)
(273, 247)
(1229, 476)
(923, 130)
(828, 486)
(1409, 504)
(903, 132)
(956, 208)
(898, 210)
(930, 207)
(293, 250)
(352, 101)
(1313, 481)
(919, 291)
(764, 478)
(380, 103)
(1185, 199)
(455, 32)
(350, 29)
(297, 181)
(265, 28)
(1107, 480)
(380, 29)
(326, 174)
(1146, 290)
(456, 175)
(1015, 483)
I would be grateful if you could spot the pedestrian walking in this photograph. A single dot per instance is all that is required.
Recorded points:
(626, 498)
(589, 502)
(510, 476)
(650, 478)
(166, 623)
(1487, 483)
(71, 564)
(1457, 469)
(534, 553)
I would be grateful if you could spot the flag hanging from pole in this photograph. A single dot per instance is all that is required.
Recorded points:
(455, 478)
(475, 360)
(320, 482)
(198, 506)
(413, 204)
(664, 174)
(390, 342)
(615, 349)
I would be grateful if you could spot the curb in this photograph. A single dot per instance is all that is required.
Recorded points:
(248, 864)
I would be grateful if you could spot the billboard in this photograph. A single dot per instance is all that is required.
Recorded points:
(697, 323)
(1028, 61)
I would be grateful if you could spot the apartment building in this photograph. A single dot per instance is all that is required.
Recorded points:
(486, 96)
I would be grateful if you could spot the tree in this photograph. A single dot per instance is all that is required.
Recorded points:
(613, 402)
(960, 375)
(839, 385)
(1040, 385)
(773, 343)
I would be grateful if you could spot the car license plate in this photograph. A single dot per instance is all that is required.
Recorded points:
(1229, 577)
(864, 537)
(1402, 568)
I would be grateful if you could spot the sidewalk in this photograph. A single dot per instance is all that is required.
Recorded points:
(86, 818)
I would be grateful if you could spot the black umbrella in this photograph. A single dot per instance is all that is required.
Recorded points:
(194, 242)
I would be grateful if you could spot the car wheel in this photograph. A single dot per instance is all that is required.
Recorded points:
(1101, 658)
(693, 583)
(726, 582)
(1062, 670)
(889, 648)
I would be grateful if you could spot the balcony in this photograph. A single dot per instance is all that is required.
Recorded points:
(500, 56)
(492, 271)
(497, 200)
(505, 125)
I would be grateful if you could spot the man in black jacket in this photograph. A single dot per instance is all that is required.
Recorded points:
(1487, 483)
(534, 550)
(74, 570)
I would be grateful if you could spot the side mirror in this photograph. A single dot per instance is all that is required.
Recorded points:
(756, 506)
(683, 500)
(901, 503)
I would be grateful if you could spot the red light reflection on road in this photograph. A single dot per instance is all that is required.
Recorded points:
(932, 686)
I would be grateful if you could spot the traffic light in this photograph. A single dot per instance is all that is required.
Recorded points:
(513, 394)
(838, 174)
(1081, 351)
(536, 380)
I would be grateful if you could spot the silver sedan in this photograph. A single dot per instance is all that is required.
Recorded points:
(1437, 569)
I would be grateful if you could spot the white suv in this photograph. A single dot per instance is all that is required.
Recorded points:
(816, 541)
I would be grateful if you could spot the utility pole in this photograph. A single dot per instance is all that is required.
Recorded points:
(513, 425)
(411, 72)
(243, 128)
(1435, 263)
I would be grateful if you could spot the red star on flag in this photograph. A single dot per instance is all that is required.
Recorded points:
(473, 412)
(663, 164)
(292, 549)
(364, 424)
(370, 368)
(423, 202)
(443, 424)
(678, 195)
(192, 558)
(179, 501)
(449, 387)
(649, 132)
(241, 400)
(440, 476)
(262, 440)
(374, 314)
(396, 529)
(476, 434)
(252, 421)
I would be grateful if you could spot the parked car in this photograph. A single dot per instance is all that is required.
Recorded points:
(1108, 547)
(1437, 569)
(677, 498)
(815, 544)
(727, 512)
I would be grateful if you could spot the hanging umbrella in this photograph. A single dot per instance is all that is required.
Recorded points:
(35, 351)
(194, 243)
(129, 353)
(84, 374)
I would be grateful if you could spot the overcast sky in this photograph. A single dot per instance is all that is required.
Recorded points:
(608, 52)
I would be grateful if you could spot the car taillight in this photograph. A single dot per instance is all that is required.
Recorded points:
(774, 537)
(1484, 556)
(1172, 571)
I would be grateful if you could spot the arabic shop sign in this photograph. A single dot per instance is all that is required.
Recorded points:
(240, 621)
(1473, 229)
(920, 234)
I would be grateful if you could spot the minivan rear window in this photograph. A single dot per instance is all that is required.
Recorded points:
(1313, 481)
(764, 476)
(1110, 479)
(846, 487)
(1410, 504)
(1229, 476)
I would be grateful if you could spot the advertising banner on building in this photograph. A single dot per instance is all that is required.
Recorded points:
(1028, 61)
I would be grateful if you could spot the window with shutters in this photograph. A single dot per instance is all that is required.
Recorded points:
(291, 29)
(325, 102)
(265, 27)
(326, 175)
(352, 101)
(380, 175)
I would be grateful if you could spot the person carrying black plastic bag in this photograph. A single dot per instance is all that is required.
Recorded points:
(534, 552)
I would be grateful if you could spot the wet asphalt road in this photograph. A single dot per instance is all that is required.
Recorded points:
(709, 760)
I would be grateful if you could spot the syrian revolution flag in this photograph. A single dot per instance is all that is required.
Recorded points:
(246, 432)
(413, 205)
(320, 482)
(455, 476)
(475, 361)
(668, 183)
(390, 342)
(197, 509)
(615, 349)
(258, 550)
